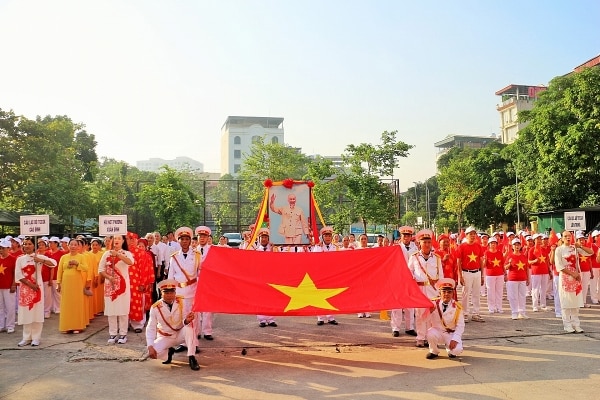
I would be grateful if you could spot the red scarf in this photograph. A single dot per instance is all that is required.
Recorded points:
(118, 286)
(27, 296)
(569, 283)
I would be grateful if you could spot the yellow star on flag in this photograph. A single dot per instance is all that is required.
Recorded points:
(472, 257)
(542, 259)
(496, 262)
(307, 294)
(583, 258)
(2, 269)
(520, 265)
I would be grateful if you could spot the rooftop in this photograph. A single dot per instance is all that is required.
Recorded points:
(265, 122)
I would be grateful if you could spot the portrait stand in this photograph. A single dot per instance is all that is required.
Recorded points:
(288, 210)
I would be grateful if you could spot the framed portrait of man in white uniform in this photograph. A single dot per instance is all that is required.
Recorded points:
(290, 214)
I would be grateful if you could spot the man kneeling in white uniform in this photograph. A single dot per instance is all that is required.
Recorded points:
(168, 328)
(447, 322)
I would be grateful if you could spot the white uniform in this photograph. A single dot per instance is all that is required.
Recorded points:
(31, 317)
(266, 319)
(426, 273)
(323, 248)
(446, 326)
(166, 328)
(409, 313)
(184, 268)
(116, 310)
(207, 317)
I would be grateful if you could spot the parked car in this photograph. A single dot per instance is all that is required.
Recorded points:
(234, 239)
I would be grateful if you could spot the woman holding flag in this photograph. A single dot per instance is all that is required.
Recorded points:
(113, 267)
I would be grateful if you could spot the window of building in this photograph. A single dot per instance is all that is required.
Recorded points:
(237, 154)
(275, 140)
(237, 140)
(236, 168)
(255, 138)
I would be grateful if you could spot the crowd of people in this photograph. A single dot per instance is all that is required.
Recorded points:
(151, 282)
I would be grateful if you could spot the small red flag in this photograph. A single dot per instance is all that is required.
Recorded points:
(553, 238)
(282, 283)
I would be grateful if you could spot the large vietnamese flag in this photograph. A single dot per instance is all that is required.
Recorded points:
(234, 281)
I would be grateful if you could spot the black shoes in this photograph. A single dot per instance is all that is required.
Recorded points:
(411, 332)
(320, 323)
(208, 337)
(179, 349)
(194, 363)
(332, 322)
(431, 356)
(450, 355)
(395, 333)
(273, 324)
(169, 356)
(262, 324)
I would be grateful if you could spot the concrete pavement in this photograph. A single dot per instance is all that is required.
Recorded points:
(358, 359)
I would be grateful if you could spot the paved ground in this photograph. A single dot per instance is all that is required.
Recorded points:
(358, 359)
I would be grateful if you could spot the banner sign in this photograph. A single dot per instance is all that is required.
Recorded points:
(575, 221)
(109, 225)
(35, 225)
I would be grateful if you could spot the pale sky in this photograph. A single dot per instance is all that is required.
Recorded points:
(159, 78)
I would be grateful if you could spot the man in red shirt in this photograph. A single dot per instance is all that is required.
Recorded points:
(585, 265)
(539, 261)
(595, 283)
(469, 259)
(8, 288)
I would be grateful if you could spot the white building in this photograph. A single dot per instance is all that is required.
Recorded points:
(179, 164)
(515, 98)
(238, 134)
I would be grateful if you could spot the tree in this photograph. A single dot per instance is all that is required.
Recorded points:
(42, 165)
(171, 200)
(557, 155)
(365, 164)
(275, 161)
(458, 187)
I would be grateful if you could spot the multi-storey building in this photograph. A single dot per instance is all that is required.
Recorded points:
(515, 98)
(239, 133)
(179, 164)
(463, 142)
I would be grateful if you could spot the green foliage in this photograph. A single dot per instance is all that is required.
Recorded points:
(170, 200)
(371, 201)
(275, 161)
(559, 151)
(44, 164)
(458, 187)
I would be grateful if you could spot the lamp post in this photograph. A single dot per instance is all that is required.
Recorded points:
(416, 201)
(516, 191)
(517, 195)
(427, 208)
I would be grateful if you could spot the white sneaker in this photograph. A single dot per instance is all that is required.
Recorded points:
(10, 330)
(367, 315)
(500, 311)
(545, 309)
(35, 343)
(24, 343)
(535, 309)
(112, 339)
(122, 340)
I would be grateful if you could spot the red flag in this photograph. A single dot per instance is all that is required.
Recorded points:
(282, 283)
(553, 238)
(461, 236)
